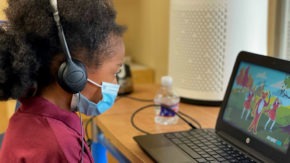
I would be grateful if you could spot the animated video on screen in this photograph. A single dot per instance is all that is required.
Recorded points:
(260, 104)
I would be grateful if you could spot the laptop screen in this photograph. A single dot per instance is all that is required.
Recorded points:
(259, 104)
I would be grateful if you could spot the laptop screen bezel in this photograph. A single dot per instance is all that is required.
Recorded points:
(241, 136)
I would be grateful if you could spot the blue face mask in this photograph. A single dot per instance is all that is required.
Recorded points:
(109, 94)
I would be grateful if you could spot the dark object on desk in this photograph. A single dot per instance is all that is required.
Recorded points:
(247, 138)
(200, 102)
(17, 105)
(125, 80)
(1, 139)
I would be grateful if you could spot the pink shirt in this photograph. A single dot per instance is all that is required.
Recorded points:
(42, 132)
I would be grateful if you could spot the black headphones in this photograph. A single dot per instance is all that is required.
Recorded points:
(72, 75)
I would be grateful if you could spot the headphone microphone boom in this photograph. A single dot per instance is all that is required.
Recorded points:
(72, 75)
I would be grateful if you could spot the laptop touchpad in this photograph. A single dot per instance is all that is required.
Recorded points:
(162, 149)
(170, 154)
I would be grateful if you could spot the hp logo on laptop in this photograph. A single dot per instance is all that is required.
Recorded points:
(248, 140)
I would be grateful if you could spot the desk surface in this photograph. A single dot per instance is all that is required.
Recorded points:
(117, 127)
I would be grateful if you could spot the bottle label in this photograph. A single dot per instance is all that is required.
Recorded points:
(166, 112)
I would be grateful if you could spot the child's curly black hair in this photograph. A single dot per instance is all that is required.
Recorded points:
(30, 46)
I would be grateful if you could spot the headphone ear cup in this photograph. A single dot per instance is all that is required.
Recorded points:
(72, 76)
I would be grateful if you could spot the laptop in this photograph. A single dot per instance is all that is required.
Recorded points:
(253, 124)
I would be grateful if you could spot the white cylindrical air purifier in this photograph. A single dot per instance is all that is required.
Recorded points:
(205, 38)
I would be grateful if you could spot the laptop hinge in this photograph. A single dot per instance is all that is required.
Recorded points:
(239, 145)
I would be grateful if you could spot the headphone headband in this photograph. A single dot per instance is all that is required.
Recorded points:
(72, 75)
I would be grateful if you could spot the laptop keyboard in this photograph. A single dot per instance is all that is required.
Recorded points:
(206, 146)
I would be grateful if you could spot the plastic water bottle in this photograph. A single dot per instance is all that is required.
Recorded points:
(166, 96)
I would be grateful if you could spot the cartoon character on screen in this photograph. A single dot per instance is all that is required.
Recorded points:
(247, 104)
(272, 114)
(258, 111)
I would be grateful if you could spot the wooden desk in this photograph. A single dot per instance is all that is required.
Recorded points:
(117, 128)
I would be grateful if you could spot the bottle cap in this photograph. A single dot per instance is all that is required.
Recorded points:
(166, 80)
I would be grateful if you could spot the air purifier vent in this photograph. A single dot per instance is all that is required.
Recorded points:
(205, 38)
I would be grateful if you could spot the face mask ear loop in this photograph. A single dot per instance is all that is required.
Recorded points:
(94, 83)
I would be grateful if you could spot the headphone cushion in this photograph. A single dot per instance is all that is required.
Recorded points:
(72, 76)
